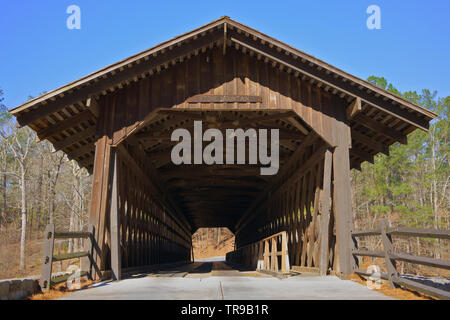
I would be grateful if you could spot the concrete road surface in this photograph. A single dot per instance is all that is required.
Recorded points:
(217, 280)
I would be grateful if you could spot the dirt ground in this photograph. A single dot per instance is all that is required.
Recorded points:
(398, 293)
(58, 291)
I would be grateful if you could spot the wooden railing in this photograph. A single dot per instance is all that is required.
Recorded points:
(391, 256)
(47, 281)
(269, 254)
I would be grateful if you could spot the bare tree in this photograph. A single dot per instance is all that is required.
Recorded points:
(19, 145)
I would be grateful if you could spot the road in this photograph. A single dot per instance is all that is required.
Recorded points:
(206, 280)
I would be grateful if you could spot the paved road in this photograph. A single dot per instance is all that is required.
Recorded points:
(217, 280)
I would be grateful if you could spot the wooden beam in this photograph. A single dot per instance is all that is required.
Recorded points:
(297, 124)
(380, 128)
(63, 125)
(93, 106)
(207, 98)
(81, 151)
(370, 142)
(363, 155)
(97, 212)
(354, 108)
(165, 136)
(225, 39)
(244, 122)
(213, 182)
(86, 162)
(77, 137)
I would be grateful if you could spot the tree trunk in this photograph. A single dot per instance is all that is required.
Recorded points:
(4, 192)
(24, 219)
(39, 192)
(53, 190)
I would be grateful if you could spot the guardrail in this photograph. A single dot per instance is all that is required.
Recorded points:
(391, 256)
(50, 235)
(269, 254)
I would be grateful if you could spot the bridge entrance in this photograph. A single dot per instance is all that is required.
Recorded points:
(118, 123)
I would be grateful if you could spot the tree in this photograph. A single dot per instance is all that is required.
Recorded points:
(19, 143)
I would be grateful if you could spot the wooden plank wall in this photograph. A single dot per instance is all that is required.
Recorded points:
(212, 72)
(294, 208)
(150, 235)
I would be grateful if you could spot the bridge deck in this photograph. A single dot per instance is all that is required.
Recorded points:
(217, 280)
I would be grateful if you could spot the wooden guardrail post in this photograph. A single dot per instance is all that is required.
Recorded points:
(394, 278)
(388, 249)
(87, 262)
(284, 253)
(49, 241)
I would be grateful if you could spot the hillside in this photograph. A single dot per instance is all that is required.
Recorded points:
(212, 242)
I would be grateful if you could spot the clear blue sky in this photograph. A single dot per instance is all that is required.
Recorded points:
(38, 53)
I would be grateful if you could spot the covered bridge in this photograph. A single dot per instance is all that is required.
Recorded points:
(118, 121)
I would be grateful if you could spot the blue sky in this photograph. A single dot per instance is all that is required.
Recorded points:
(38, 53)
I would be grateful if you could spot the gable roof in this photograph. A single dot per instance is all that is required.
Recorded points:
(41, 113)
(57, 95)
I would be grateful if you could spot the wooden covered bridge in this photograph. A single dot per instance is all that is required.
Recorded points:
(118, 121)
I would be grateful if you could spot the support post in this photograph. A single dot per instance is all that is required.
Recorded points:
(342, 192)
(325, 210)
(49, 242)
(101, 183)
(116, 256)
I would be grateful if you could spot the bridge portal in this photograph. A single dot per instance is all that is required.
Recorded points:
(118, 124)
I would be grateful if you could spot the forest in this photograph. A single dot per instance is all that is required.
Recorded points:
(40, 186)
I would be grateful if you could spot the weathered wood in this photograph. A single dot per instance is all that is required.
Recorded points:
(426, 233)
(68, 256)
(93, 106)
(354, 108)
(342, 193)
(366, 233)
(370, 142)
(116, 254)
(71, 235)
(49, 239)
(75, 138)
(325, 208)
(368, 253)
(380, 128)
(438, 263)
(53, 129)
(224, 99)
(363, 155)
(388, 249)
